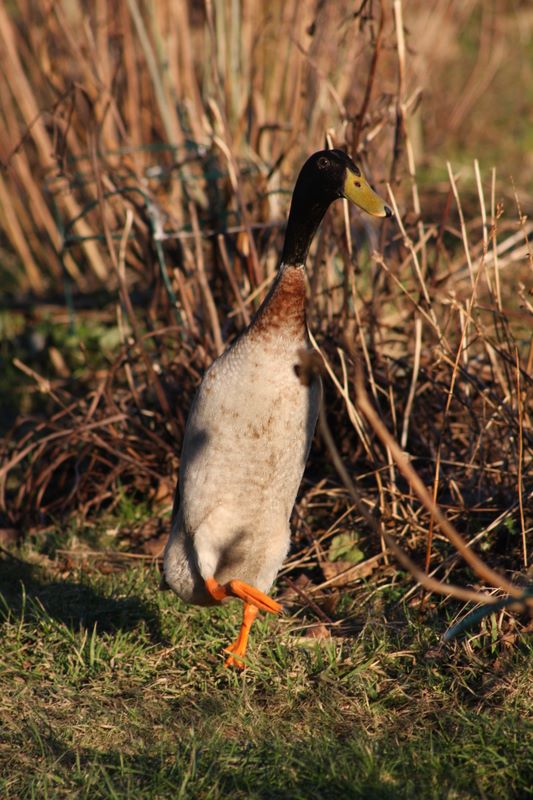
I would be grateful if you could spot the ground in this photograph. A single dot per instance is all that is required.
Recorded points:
(148, 157)
(110, 688)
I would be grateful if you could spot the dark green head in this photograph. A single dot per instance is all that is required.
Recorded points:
(325, 177)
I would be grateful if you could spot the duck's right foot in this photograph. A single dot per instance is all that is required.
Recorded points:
(253, 600)
(245, 592)
(249, 594)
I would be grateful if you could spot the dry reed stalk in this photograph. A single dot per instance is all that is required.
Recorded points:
(232, 280)
(132, 95)
(13, 229)
(5, 468)
(166, 108)
(208, 297)
(154, 379)
(408, 243)
(422, 578)
(494, 219)
(485, 572)
(402, 113)
(462, 349)
(520, 458)
(30, 111)
(246, 117)
(371, 79)
(413, 384)
(484, 225)
(355, 418)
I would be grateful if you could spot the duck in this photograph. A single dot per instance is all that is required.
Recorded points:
(251, 424)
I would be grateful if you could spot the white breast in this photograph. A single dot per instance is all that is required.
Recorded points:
(246, 443)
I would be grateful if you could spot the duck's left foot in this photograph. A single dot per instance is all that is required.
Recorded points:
(237, 650)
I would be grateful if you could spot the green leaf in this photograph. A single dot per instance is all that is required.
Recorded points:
(343, 547)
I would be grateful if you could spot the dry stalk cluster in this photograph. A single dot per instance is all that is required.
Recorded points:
(144, 184)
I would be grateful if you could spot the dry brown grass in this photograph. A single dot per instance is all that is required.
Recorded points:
(148, 154)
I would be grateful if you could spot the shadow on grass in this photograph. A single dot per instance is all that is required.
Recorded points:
(75, 604)
(219, 767)
(437, 763)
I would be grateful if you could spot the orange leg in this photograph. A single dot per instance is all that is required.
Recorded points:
(237, 650)
(249, 594)
(216, 590)
(245, 592)
(253, 600)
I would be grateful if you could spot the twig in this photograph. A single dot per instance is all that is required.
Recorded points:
(161, 396)
(431, 584)
(495, 213)
(309, 601)
(414, 379)
(206, 291)
(21, 454)
(376, 52)
(484, 571)
(519, 479)
(231, 277)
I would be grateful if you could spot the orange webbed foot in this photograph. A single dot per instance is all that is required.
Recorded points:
(234, 659)
(253, 600)
(245, 592)
(237, 650)
(249, 594)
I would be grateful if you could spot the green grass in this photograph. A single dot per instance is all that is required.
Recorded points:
(111, 689)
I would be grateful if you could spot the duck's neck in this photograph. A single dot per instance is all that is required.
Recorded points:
(304, 218)
(283, 310)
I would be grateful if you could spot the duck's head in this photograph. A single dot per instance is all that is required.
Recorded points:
(330, 174)
(326, 176)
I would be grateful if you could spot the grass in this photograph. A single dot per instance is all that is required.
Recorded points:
(110, 688)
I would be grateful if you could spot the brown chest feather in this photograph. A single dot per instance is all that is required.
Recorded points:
(284, 308)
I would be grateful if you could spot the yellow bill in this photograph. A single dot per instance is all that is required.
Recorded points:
(359, 192)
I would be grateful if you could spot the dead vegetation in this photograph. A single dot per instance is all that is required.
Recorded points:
(144, 187)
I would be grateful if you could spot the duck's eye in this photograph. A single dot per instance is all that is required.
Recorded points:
(323, 162)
